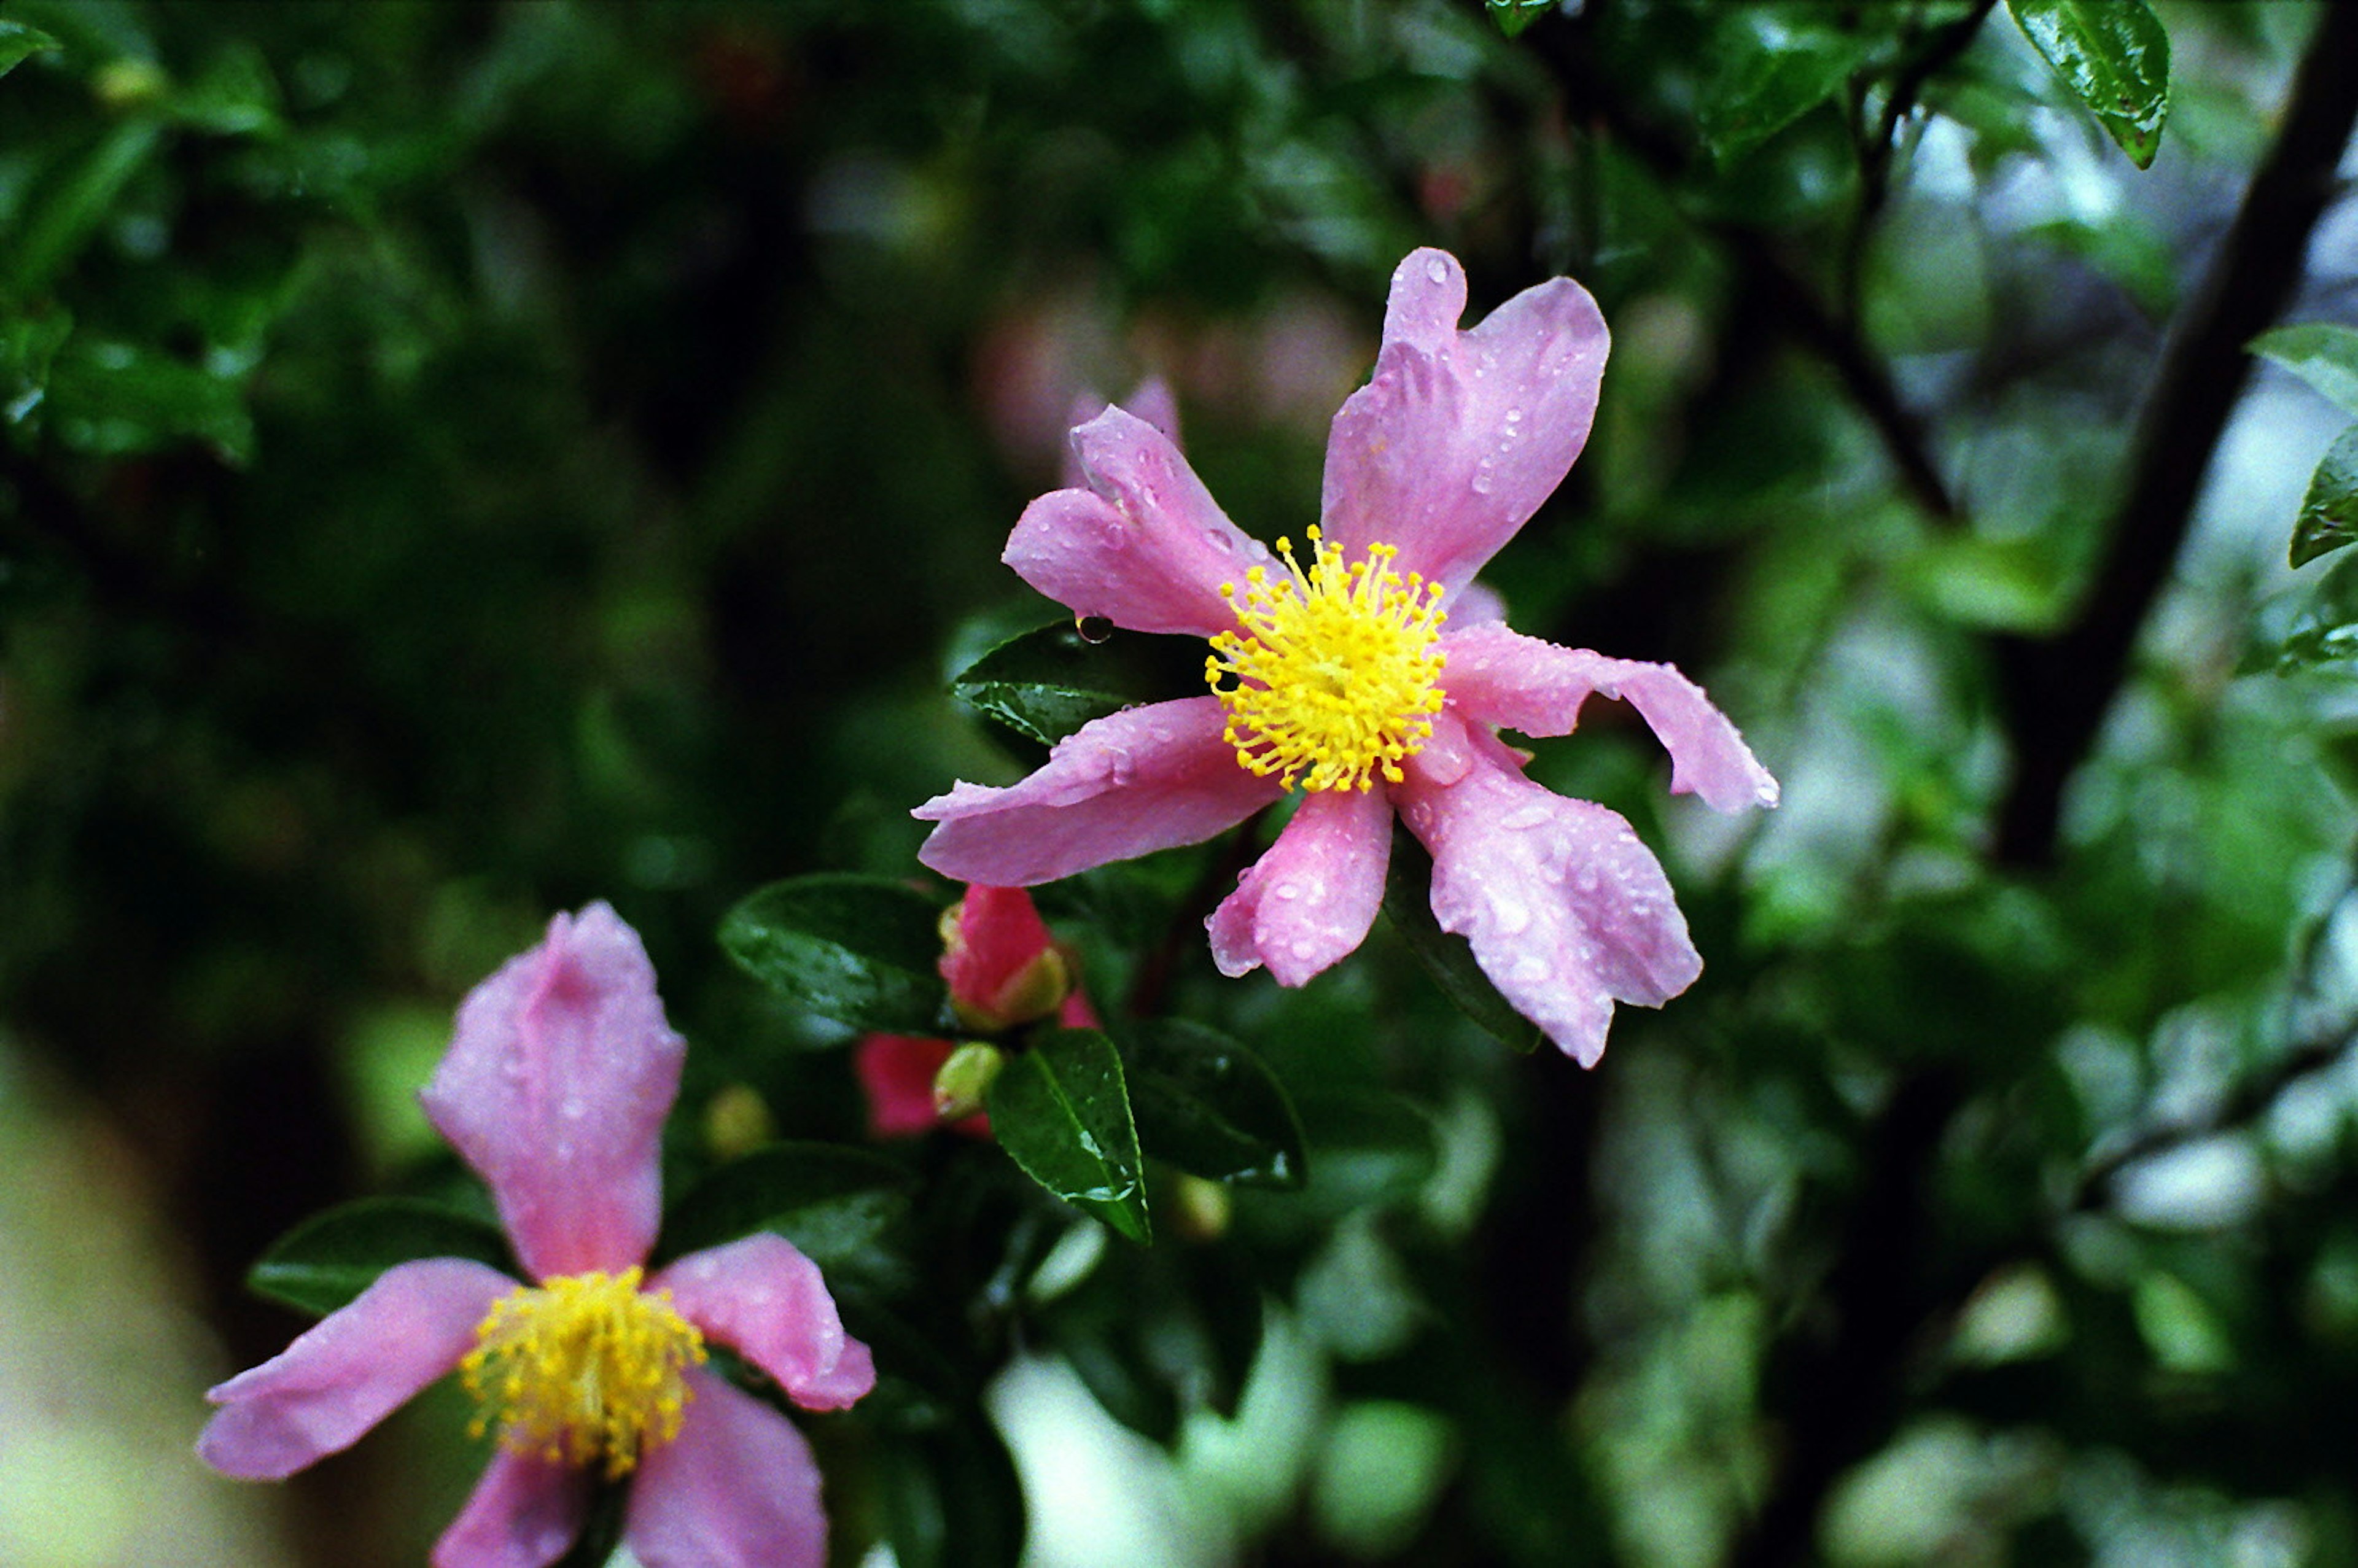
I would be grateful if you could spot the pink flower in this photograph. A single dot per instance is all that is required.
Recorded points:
(555, 1090)
(1004, 969)
(1332, 671)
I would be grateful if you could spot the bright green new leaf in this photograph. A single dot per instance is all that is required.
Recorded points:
(2321, 353)
(1062, 1112)
(2329, 512)
(861, 950)
(332, 1257)
(2115, 54)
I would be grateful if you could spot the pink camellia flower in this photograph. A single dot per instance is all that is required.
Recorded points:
(1004, 969)
(555, 1090)
(1331, 671)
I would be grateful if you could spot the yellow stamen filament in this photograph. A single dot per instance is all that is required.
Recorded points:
(584, 1368)
(1334, 674)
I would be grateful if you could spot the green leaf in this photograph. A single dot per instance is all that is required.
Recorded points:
(1211, 1106)
(2323, 354)
(834, 1203)
(952, 1499)
(2116, 55)
(29, 342)
(2329, 512)
(1062, 1112)
(1513, 15)
(1408, 900)
(2311, 626)
(332, 1257)
(1047, 683)
(115, 399)
(71, 204)
(17, 42)
(863, 950)
(1775, 65)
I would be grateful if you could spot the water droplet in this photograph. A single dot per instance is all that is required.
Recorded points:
(1288, 891)
(1437, 270)
(1094, 628)
(1586, 880)
(1485, 476)
(1526, 816)
(1514, 418)
(573, 1109)
(1529, 968)
(1509, 912)
(1305, 949)
(1120, 767)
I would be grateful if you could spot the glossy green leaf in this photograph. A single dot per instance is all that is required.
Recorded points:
(836, 1205)
(1775, 64)
(1447, 957)
(29, 342)
(114, 399)
(2329, 512)
(1060, 1110)
(332, 1257)
(1513, 15)
(861, 950)
(2115, 54)
(19, 42)
(2321, 353)
(2313, 625)
(1047, 683)
(1210, 1105)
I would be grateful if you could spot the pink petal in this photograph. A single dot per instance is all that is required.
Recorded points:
(1151, 400)
(556, 1088)
(350, 1370)
(1567, 911)
(764, 1300)
(1124, 786)
(896, 1072)
(1502, 677)
(1144, 545)
(993, 958)
(737, 1488)
(1311, 898)
(523, 1513)
(1460, 435)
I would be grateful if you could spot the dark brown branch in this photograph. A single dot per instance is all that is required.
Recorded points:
(2058, 691)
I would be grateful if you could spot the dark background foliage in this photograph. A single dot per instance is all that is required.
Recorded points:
(460, 462)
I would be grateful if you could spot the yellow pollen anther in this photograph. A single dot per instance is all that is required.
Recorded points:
(1335, 674)
(588, 1366)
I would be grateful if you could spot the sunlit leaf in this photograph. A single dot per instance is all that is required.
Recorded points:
(1060, 1110)
(861, 950)
(2115, 54)
(2321, 353)
(332, 1257)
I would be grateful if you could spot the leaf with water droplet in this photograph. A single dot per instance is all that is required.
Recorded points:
(861, 950)
(1210, 1105)
(333, 1256)
(1061, 1109)
(1446, 957)
(1049, 682)
(2329, 512)
(2115, 54)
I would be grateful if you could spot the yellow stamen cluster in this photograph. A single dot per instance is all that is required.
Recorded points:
(587, 1366)
(1335, 674)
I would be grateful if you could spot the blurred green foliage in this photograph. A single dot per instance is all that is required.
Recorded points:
(456, 462)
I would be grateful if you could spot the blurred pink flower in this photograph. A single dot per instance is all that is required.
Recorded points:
(1004, 969)
(555, 1090)
(1331, 670)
